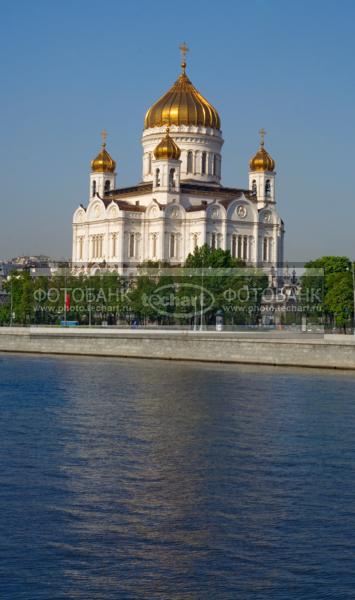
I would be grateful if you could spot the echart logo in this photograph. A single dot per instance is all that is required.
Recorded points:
(179, 300)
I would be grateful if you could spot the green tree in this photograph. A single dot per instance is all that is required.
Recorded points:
(327, 289)
(236, 288)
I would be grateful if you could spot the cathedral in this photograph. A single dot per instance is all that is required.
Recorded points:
(180, 202)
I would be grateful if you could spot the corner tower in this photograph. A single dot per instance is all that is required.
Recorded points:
(166, 166)
(262, 175)
(102, 176)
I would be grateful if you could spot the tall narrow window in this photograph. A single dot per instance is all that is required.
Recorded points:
(154, 245)
(93, 191)
(131, 245)
(172, 178)
(98, 246)
(172, 245)
(107, 185)
(195, 240)
(81, 245)
(203, 163)
(239, 246)
(114, 244)
(214, 241)
(149, 163)
(157, 178)
(267, 188)
(234, 246)
(189, 162)
(214, 165)
(265, 250)
(253, 187)
(245, 247)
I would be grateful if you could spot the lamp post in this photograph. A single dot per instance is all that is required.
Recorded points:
(195, 315)
(11, 305)
(201, 298)
(65, 296)
(353, 275)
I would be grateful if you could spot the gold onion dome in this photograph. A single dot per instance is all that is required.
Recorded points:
(103, 163)
(262, 160)
(167, 149)
(182, 105)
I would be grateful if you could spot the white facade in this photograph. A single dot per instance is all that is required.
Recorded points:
(180, 204)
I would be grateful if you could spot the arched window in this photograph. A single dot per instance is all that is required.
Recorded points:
(253, 187)
(131, 245)
(107, 185)
(93, 192)
(267, 188)
(189, 167)
(203, 163)
(172, 178)
(157, 177)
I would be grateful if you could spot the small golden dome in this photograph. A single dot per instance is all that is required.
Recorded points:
(182, 105)
(167, 149)
(262, 160)
(103, 163)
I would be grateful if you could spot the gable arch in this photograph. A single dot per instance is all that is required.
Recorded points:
(241, 209)
(216, 211)
(268, 215)
(112, 211)
(96, 211)
(80, 215)
(174, 211)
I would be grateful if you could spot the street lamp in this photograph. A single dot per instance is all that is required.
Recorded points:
(11, 305)
(353, 278)
(353, 274)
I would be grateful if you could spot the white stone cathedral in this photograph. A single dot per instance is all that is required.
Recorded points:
(180, 203)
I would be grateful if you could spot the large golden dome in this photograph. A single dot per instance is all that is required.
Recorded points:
(103, 163)
(262, 160)
(167, 149)
(182, 105)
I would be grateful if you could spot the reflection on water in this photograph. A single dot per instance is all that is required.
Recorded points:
(145, 479)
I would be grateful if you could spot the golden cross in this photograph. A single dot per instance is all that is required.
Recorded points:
(183, 49)
(262, 136)
(103, 136)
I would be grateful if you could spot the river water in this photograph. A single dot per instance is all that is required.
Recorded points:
(133, 479)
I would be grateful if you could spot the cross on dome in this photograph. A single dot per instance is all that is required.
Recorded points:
(262, 160)
(104, 137)
(183, 49)
(262, 136)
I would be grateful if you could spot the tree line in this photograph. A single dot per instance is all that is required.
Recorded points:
(210, 283)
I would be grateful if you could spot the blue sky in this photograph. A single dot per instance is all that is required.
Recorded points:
(69, 69)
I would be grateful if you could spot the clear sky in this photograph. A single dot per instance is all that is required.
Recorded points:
(71, 68)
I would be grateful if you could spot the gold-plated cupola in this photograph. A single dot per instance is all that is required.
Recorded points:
(167, 149)
(103, 163)
(182, 105)
(262, 160)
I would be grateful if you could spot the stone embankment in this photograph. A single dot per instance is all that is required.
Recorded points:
(301, 350)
